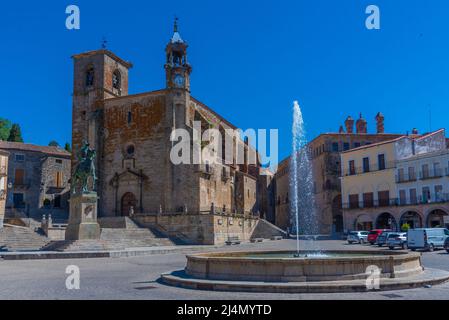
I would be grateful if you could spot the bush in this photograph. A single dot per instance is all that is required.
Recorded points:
(405, 227)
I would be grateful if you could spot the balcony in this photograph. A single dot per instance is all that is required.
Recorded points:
(23, 184)
(362, 170)
(404, 178)
(3, 171)
(205, 169)
(439, 198)
(431, 174)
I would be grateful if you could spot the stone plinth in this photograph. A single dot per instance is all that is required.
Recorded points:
(83, 224)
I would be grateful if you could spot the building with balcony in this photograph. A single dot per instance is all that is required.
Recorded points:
(3, 183)
(38, 181)
(325, 153)
(384, 184)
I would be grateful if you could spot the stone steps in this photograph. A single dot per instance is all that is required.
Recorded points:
(21, 239)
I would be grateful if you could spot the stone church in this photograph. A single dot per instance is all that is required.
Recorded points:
(131, 134)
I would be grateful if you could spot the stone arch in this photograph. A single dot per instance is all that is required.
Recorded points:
(435, 218)
(128, 200)
(386, 220)
(412, 217)
(363, 223)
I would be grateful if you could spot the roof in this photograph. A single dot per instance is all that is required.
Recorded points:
(105, 52)
(55, 151)
(176, 38)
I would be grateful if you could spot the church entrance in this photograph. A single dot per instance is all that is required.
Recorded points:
(128, 201)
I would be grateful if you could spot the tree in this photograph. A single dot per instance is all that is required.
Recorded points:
(53, 143)
(5, 128)
(68, 147)
(405, 227)
(15, 135)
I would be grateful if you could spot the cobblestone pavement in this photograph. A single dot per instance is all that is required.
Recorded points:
(137, 278)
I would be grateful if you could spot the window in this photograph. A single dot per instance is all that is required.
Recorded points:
(413, 196)
(20, 157)
(346, 146)
(365, 164)
(401, 175)
(381, 161)
(353, 201)
(19, 177)
(130, 150)
(411, 173)
(90, 77)
(356, 144)
(425, 194)
(425, 171)
(335, 147)
(351, 168)
(436, 169)
(368, 200)
(438, 193)
(18, 200)
(384, 198)
(59, 180)
(117, 80)
(58, 161)
(402, 197)
(130, 117)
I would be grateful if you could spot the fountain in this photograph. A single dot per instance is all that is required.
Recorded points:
(304, 271)
(302, 206)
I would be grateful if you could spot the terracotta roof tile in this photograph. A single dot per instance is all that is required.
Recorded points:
(6, 145)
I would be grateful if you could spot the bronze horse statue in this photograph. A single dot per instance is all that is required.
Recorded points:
(84, 169)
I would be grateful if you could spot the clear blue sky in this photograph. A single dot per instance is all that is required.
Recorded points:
(251, 59)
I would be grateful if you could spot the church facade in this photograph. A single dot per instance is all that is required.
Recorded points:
(132, 136)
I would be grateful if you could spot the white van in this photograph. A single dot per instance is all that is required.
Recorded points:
(427, 238)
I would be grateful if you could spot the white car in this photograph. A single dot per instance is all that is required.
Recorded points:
(357, 237)
(396, 239)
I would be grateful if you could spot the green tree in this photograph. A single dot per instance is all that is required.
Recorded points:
(15, 135)
(68, 147)
(53, 143)
(5, 128)
(405, 227)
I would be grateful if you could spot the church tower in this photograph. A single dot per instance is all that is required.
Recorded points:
(177, 67)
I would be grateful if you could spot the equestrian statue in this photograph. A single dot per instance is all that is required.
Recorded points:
(84, 169)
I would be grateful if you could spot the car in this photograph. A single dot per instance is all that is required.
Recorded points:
(382, 238)
(427, 238)
(397, 239)
(357, 236)
(446, 245)
(373, 234)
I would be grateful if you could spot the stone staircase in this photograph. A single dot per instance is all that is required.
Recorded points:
(267, 230)
(126, 234)
(13, 238)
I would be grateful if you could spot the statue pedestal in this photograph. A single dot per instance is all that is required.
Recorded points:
(83, 223)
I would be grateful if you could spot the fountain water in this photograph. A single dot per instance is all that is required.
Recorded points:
(302, 205)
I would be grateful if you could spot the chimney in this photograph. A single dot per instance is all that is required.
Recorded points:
(349, 124)
(380, 123)
(361, 125)
(341, 130)
(415, 131)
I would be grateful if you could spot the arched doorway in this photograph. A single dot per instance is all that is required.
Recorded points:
(337, 215)
(435, 219)
(412, 218)
(363, 223)
(386, 221)
(128, 201)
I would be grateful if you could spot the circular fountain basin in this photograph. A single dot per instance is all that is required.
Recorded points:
(275, 266)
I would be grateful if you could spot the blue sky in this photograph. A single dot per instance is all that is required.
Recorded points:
(250, 60)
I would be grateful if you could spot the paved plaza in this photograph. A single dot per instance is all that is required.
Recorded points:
(137, 278)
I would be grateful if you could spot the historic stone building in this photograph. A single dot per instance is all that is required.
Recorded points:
(132, 136)
(3, 183)
(38, 181)
(326, 164)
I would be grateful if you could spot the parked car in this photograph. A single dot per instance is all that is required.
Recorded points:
(446, 245)
(373, 234)
(382, 238)
(395, 239)
(427, 238)
(357, 236)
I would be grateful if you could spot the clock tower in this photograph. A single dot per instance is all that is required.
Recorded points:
(177, 68)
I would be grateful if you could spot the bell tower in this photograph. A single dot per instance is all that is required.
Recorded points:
(177, 68)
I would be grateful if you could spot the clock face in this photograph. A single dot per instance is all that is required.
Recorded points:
(179, 80)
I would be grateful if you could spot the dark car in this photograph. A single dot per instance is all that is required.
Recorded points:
(372, 236)
(446, 245)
